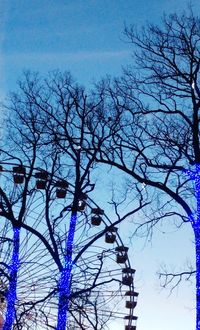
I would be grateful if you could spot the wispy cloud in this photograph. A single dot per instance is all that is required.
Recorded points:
(68, 56)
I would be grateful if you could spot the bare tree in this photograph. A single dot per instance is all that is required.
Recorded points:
(156, 137)
(50, 129)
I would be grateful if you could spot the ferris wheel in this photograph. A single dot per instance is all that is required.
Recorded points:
(102, 279)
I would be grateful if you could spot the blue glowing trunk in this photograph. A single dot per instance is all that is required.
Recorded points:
(197, 243)
(12, 292)
(195, 220)
(65, 277)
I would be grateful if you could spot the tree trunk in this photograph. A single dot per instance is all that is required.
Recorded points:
(65, 277)
(12, 292)
(197, 244)
(64, 293)
(196, 227)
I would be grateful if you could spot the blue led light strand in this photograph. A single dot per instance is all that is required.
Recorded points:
(196, 228)
(65, 277)
(195, 221)
(12, 292)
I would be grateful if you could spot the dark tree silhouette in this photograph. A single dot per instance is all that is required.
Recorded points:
(49, 130)
(156, 138)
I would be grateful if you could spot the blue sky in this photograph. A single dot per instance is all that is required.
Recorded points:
(82, 36)
(86, 38)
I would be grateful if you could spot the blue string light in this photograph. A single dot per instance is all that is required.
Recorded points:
(12, 292)
(195, 221)
(64, 285)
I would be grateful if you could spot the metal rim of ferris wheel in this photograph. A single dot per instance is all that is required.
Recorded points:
(38, 275)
